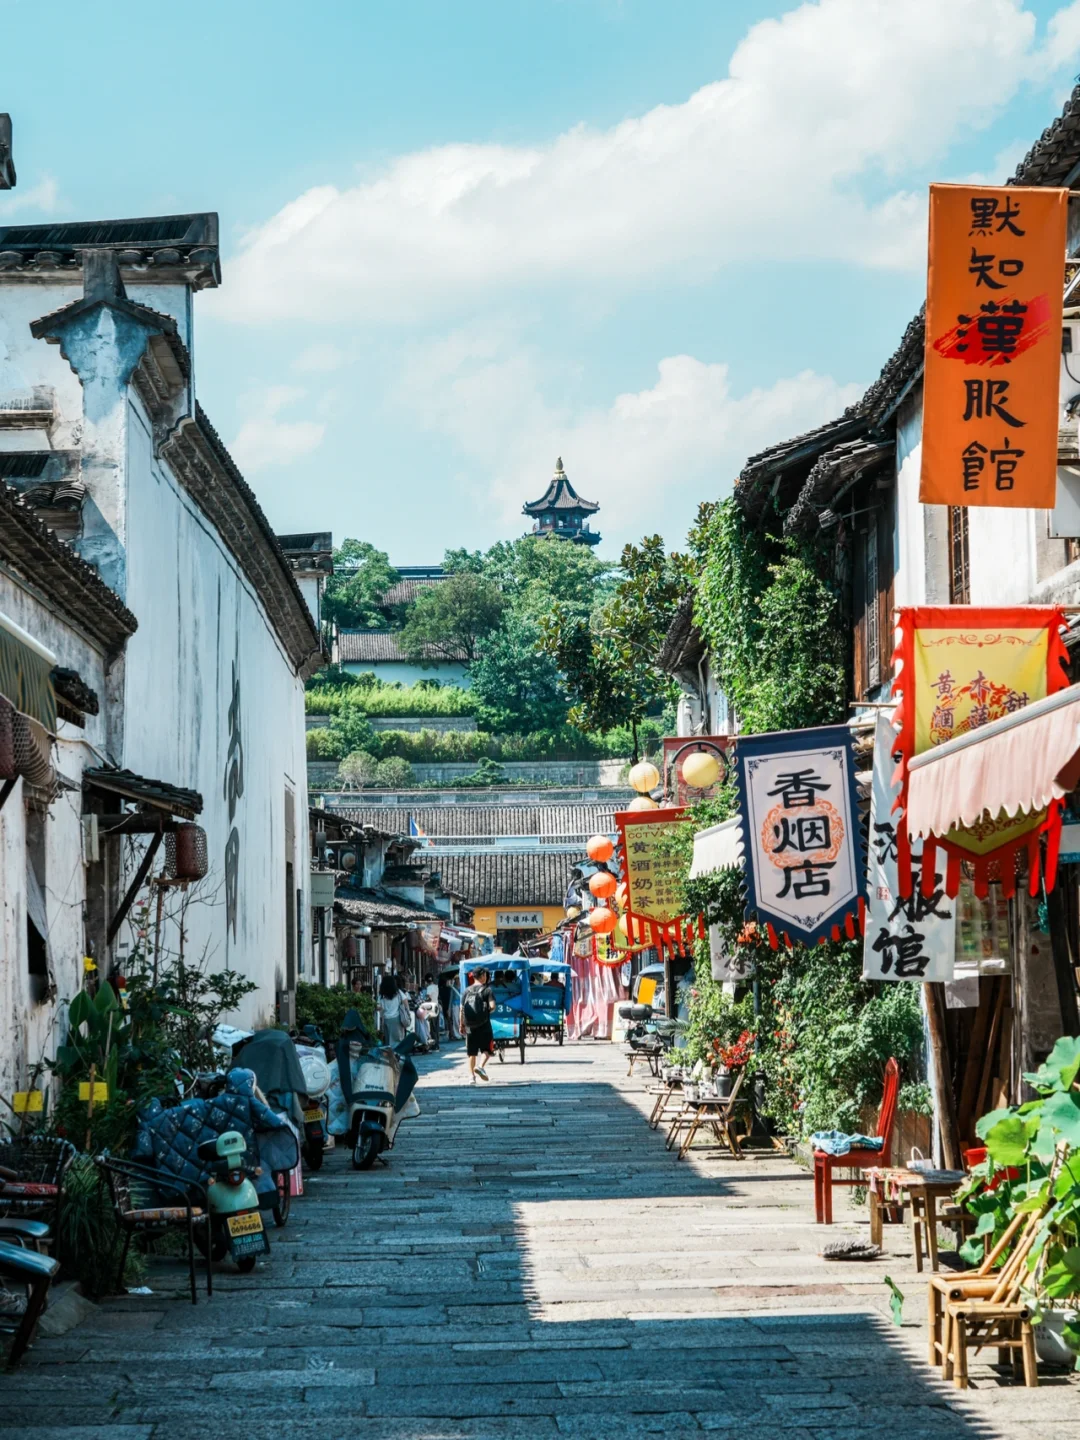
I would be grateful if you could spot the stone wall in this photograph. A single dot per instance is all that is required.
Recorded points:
(591, 774)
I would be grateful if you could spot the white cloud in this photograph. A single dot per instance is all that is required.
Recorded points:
(763, 162)
(320, 359)
(264, 440)
(648, 457)
(42, 197)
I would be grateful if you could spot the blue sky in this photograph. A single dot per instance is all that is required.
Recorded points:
(458, 240)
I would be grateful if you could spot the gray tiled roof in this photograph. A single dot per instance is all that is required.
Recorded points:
(362, 646)
(505, 877)
(541, 822)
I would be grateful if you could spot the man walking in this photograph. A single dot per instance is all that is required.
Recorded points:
(477, 1008)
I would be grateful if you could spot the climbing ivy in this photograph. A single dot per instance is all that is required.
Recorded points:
(771, 614)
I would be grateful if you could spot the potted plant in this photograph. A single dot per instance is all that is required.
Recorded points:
(1032, 1164)
(730, 1058)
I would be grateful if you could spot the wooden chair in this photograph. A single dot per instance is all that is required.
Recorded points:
(860, 1158)
(33, 1168)
(136, 1192)
(985, 1308)
(718, 1115)
(33, 1273)
(943, 1288)
(664, 1094)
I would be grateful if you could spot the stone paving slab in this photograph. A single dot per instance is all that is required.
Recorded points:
(530, 1263)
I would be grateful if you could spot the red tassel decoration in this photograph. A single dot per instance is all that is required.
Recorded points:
(928, 869)
(773, 941)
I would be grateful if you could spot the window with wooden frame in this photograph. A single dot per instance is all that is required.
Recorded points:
(959, 564)
(872, 580)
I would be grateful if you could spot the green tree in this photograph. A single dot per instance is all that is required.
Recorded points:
(362, 575)
(358, 769)
(608, 660)
(535, 570)
(394, 772)
(516, 685)
(449, 620)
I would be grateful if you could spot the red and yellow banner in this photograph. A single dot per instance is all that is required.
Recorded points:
(993, 342)
(957, 668)
(653, 872)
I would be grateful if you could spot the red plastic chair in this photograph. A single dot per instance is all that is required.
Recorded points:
(857, 1159)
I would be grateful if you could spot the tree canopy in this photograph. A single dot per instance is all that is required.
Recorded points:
(448, 621)
(608, 660)
(362, 575)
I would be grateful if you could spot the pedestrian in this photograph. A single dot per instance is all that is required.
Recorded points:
(477, 1008)
(392, 1011)
(431, 995)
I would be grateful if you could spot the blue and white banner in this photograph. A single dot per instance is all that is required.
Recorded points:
(804, 867)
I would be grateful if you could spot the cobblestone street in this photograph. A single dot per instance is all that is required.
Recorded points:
(531, 1263)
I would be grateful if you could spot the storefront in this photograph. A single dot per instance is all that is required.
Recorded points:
(512, 924)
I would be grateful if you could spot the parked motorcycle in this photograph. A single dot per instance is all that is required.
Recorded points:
(236, 1224)
(311, 1052)
(376, 1085)
(649, 1030)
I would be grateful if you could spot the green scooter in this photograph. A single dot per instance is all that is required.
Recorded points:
(236, 1224)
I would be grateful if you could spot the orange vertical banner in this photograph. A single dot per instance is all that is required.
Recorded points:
(993, 346)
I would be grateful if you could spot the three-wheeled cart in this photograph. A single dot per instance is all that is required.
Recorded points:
(551, 994)
(510, 986)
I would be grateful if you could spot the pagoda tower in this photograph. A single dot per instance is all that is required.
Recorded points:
(561, 512)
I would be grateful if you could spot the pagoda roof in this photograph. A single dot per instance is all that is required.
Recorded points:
(560, 495)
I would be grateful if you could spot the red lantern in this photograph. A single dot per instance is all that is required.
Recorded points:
(600, 849)
(602, 920)
(602, 884)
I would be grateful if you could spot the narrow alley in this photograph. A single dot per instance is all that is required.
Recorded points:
(531, 1262)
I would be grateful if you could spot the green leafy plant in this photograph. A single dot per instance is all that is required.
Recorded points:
(88, 1241)
(1033, 1165)
(326, 1007)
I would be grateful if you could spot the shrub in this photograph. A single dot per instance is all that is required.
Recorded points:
(325, 745)
(394, 772)
(326, 1007)
(88, 1242)
(359, 768)
(366, 695)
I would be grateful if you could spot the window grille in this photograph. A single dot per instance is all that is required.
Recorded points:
(959, 568)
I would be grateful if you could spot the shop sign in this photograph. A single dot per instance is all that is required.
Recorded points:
(905, 939)
(993, 342)
(957, 668)
(519, 919)
(804, 869)
(653, 872)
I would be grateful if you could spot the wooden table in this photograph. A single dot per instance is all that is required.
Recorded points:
(924, 1189)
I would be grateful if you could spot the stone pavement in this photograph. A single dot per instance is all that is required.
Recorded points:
(531, 1263)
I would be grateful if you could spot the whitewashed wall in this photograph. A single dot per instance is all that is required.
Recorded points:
(27, 1028)
(198, 617)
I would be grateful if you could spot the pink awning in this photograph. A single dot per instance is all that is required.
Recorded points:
(1016, 764)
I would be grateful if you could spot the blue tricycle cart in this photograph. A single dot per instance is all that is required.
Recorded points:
(551, 994)
(510, 984)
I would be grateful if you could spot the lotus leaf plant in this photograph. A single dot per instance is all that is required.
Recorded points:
(1033, 1165)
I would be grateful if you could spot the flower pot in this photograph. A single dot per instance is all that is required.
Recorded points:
(1049, 1344)
(724, 1082)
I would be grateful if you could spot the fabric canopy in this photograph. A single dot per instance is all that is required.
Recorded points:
(716, 848)
(1017, 764)
(25, 674)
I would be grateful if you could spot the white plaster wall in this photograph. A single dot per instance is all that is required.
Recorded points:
(197, 616)
(391, 672)
(26, 363)
(1001, 548)
(26, 1028)
(910, 581)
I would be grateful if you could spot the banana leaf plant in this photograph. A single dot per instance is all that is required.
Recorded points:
(97, 1033)
(1033, 1162)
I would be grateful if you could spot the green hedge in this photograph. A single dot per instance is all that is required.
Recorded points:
(420, 700)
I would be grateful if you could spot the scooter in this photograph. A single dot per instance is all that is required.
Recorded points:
(236, 1223)
(377, 1084)
(311, 1052)
(648, 1030)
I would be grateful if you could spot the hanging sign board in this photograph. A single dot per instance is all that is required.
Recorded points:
(802, 845)
(957, 668)
(653, 873)
(729, 962)
(905, 939)
(993, 346)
